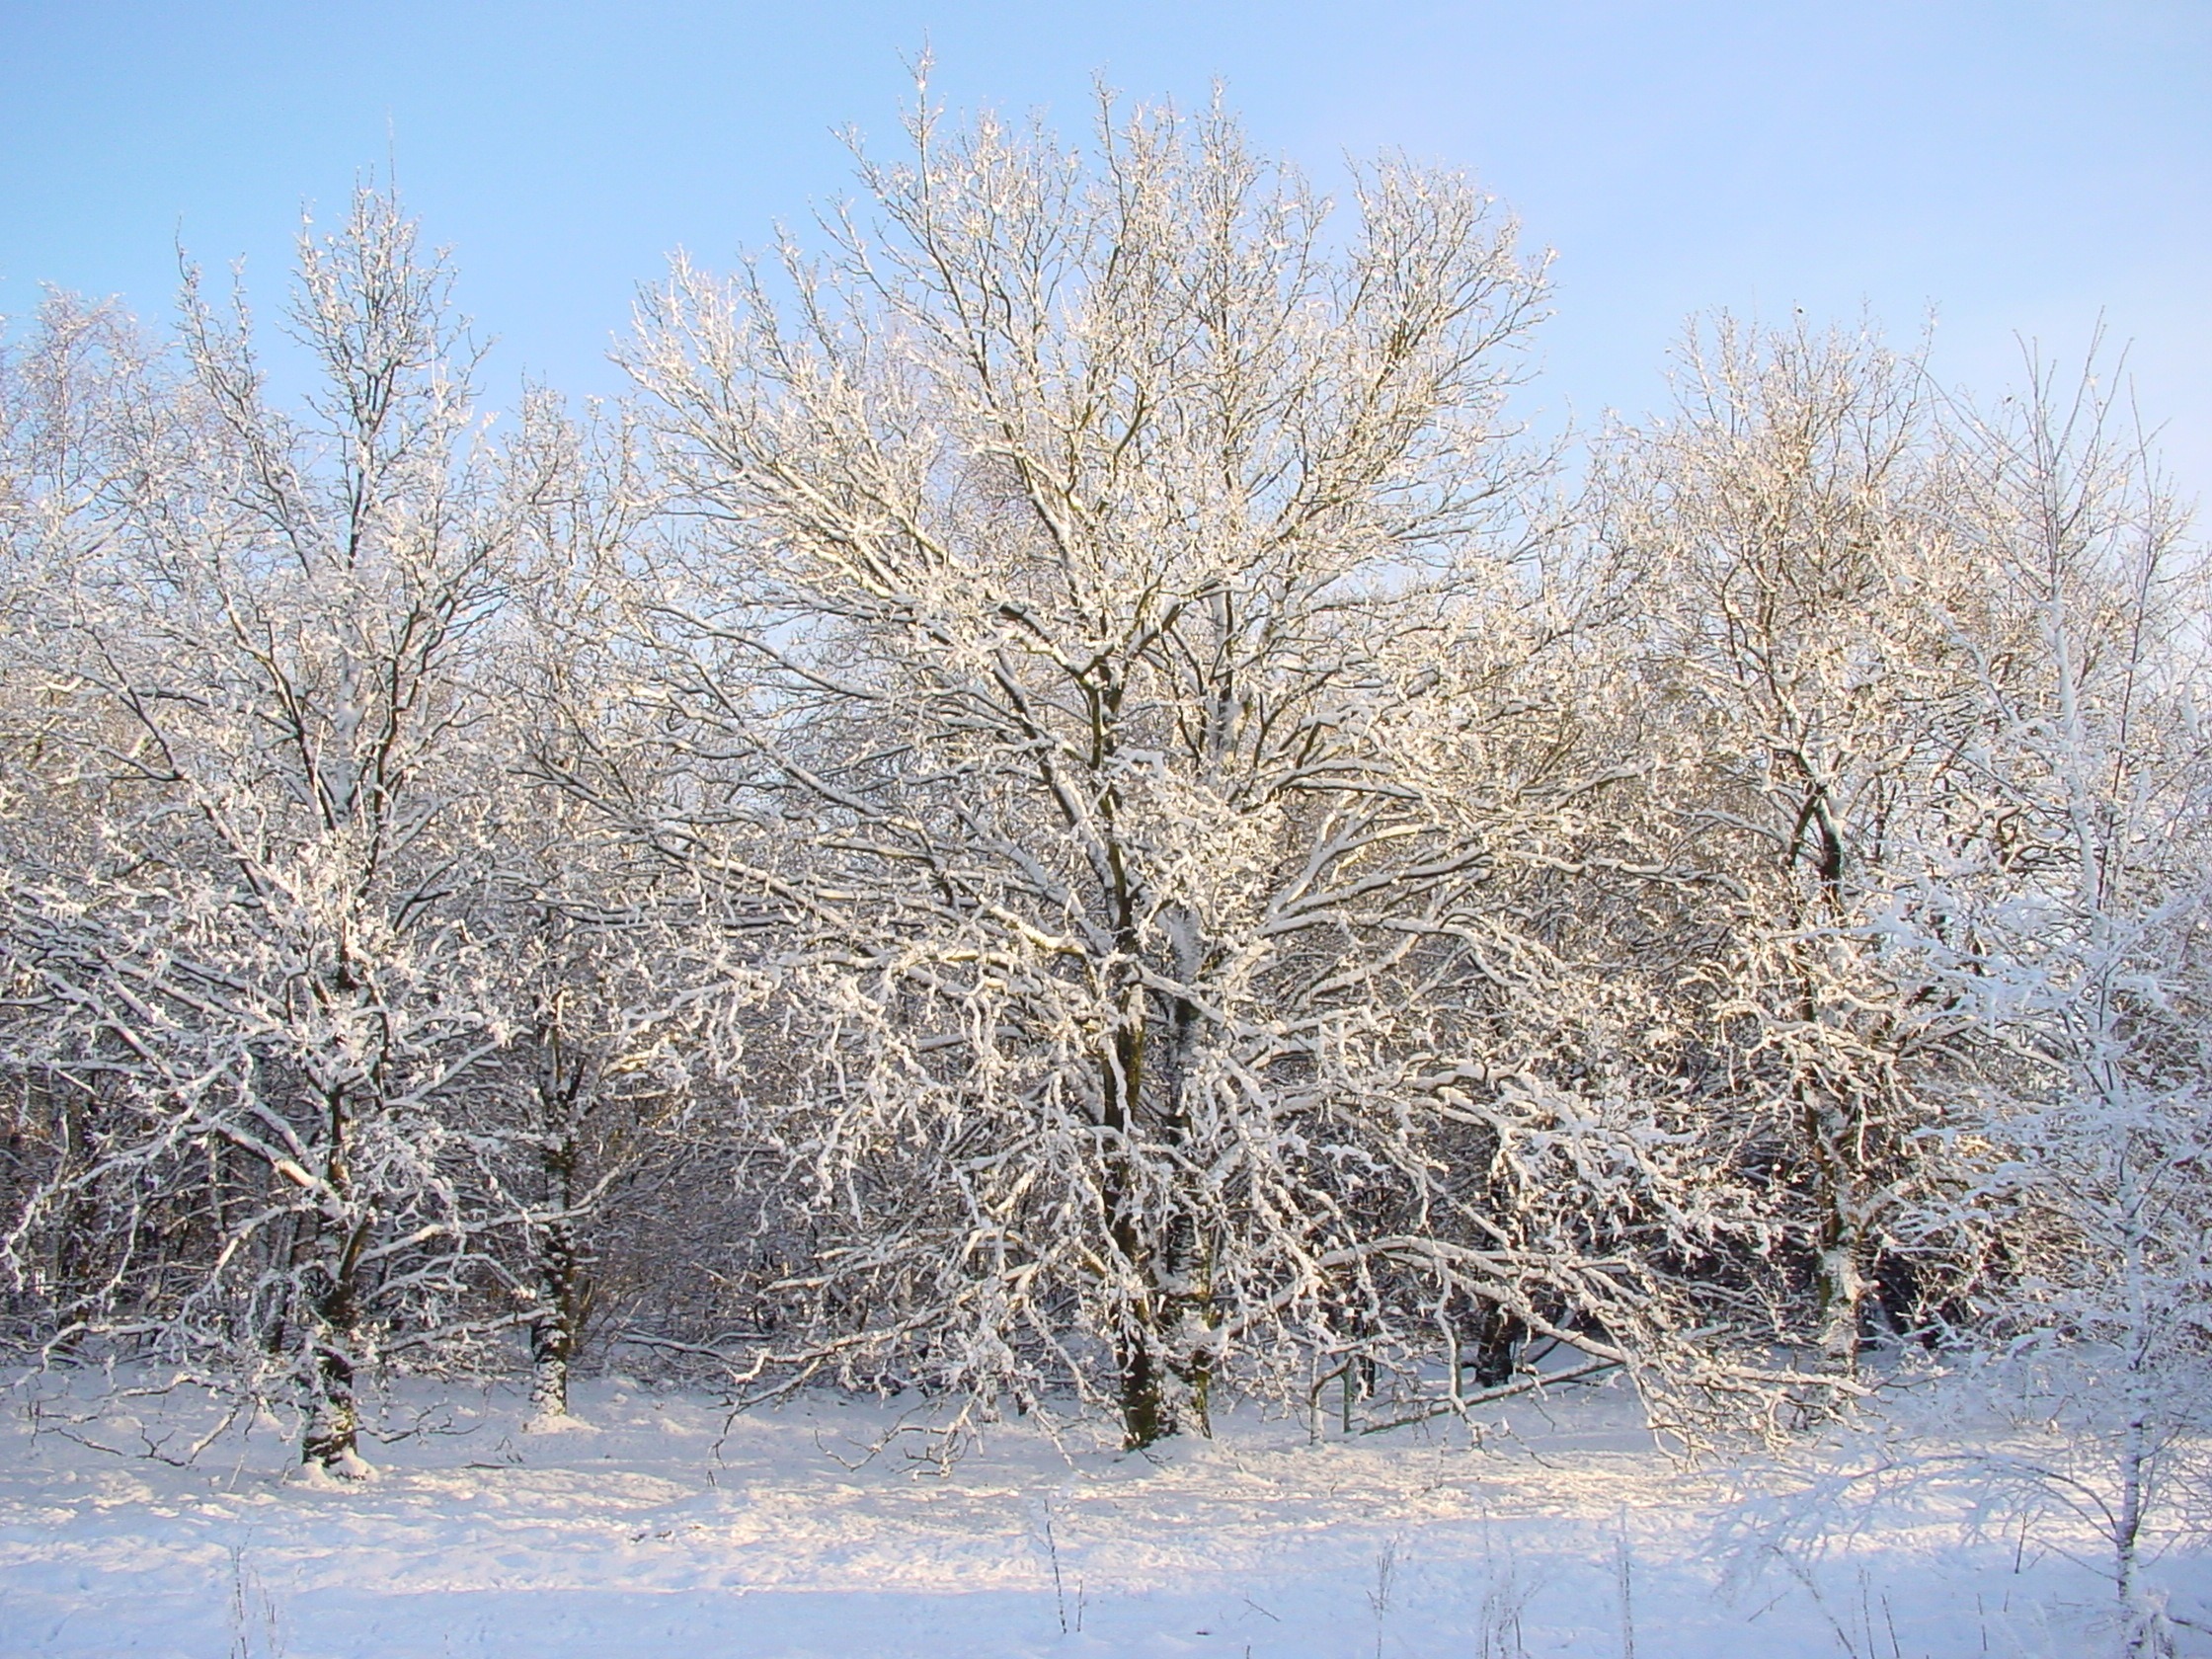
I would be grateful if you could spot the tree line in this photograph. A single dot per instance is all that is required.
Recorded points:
(1059, 806)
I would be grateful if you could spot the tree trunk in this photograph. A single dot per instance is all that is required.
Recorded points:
(334, 1307)
(1147, 1414)
(333, 1410)
(1186, 1268)
(1842, 1294)
(1498, 1336)
(2142, 1629)
(1840, 1270)
(556, 1334)
(1840, 1278)
(552, 1351)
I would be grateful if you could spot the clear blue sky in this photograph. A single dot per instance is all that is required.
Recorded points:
(2015, 165)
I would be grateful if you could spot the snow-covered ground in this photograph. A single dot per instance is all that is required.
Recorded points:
(654, 1532)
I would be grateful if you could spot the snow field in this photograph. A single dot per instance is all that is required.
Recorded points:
(646, 1530)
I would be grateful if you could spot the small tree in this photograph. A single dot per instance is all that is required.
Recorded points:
(1805, 594)
(2071, 916)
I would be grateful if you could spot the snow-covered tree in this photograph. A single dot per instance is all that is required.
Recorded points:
(261, 958)
(1806, 600)
(615, 982)
(1062, 804)
(1108, 649)
(2069, 911)
(72, 389)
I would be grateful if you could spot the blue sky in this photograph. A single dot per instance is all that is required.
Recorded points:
(2019, 166)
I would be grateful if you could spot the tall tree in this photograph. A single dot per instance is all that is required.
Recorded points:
(1102, 651)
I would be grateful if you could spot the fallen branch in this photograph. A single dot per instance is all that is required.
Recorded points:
(1505, 1391)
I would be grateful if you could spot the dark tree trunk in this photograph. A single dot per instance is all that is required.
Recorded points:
(333, 1410)
(1495, 1346)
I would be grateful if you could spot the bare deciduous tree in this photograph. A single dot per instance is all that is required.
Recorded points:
(2070, 917)
(1106, 648)
(1806, 596)
(264, 965)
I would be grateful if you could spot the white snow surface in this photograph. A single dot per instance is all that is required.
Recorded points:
(648, 1525)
